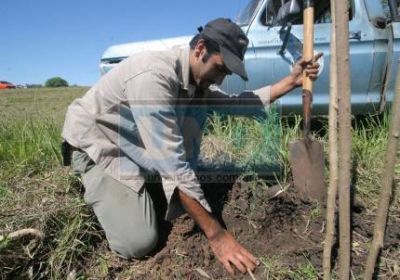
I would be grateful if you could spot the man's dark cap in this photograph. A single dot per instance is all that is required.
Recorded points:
(232, 42)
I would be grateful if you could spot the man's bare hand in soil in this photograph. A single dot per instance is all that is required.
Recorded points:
(229, 251)
(224, 245)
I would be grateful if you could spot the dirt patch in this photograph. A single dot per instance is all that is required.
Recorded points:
(285, 232)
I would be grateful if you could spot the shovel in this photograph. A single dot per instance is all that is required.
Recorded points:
(307, 155)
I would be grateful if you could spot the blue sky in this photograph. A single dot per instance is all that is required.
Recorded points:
(41, 39)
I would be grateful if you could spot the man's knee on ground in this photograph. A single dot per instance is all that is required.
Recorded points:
(134, 246)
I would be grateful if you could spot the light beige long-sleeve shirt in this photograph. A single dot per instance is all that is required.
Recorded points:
(144, 115)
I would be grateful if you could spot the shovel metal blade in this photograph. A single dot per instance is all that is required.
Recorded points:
(307, 160)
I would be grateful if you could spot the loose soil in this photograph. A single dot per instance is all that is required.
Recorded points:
(282, 230)
(285, 232)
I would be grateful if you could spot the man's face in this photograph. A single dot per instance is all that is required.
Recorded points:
(208, 69)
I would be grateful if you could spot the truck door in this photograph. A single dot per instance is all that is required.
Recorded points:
(394, 46)
(265, 65)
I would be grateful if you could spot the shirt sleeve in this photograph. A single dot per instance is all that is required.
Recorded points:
(152, 97)
(248, 103)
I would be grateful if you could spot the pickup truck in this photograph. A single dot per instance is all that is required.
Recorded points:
(275, 33)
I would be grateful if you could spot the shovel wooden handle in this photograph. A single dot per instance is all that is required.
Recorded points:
(308, 52)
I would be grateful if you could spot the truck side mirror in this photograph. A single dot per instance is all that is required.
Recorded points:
(287, 12)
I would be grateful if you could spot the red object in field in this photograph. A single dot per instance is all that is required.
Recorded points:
(6, 85)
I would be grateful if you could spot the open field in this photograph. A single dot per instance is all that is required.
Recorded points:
(284, 232)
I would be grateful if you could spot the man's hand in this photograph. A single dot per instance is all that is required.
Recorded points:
(224, 245)
(230, 252)
(310, 67)
(295, 79)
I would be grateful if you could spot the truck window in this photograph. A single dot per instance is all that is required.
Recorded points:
(244, 16)
(322, 12)
(392, 8)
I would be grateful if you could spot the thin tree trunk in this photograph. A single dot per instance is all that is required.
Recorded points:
(387, 184)
(333, 155)
(343, 75)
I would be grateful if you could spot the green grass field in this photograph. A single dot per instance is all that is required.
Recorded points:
(37, 192)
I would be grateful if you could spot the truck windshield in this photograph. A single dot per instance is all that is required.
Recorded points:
(245, 14)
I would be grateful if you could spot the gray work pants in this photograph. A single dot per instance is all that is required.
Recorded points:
(127, 217)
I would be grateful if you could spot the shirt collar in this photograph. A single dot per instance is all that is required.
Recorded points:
(184, 71)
